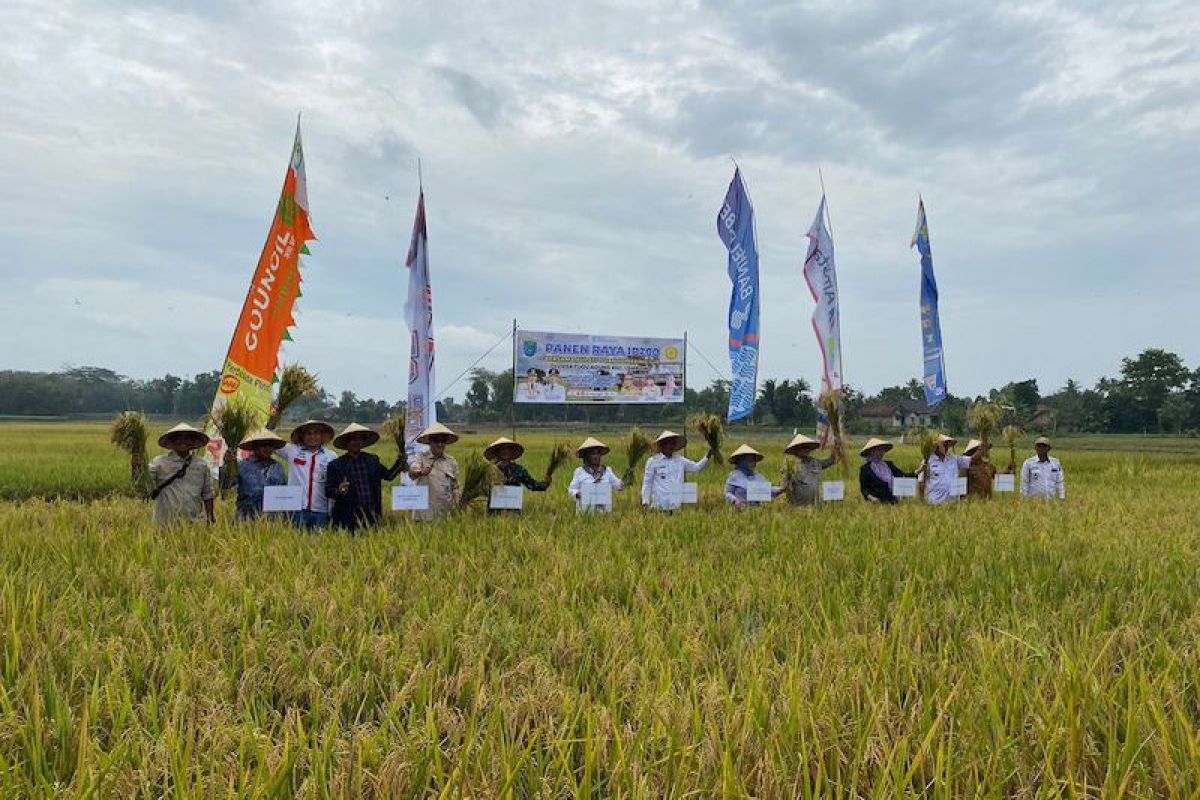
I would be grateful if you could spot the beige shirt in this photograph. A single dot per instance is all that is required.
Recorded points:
(184, 498)
(442, 482)
(806, 481)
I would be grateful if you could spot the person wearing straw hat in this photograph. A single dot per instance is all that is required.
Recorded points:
(354, 480)
(183, 487)
(1042, 474)
(308, 460)
(592, 470)
(876, 474)
(803, 482)
(504, 453)
(941, 471)
(436, 469)
(744, 475)
(980, 471)
(258, 471)
(662, 480)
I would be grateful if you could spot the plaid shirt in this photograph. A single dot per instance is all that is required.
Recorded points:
(360, 480)
(254, 476)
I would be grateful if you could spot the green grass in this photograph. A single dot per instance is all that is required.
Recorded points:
(990, 649)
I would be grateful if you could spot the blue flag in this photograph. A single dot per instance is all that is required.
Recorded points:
(931, 328)
(735, 226)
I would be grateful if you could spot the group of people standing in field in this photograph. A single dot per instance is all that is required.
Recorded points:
(346, 491)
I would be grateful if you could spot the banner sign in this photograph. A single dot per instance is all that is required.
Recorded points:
(420, 409)
(931, 328)
(582, 368)
(820, 273)
(735, 226)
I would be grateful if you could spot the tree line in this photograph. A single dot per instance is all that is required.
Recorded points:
(1153, 392)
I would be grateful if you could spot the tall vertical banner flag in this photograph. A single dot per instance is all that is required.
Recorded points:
(253, 359)
(931, 328)
(820, 273)
(421, 410)
(735, 226)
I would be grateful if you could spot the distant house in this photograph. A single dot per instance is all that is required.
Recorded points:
(904, 414)
(1045, 419)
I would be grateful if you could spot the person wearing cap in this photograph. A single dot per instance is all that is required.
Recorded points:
(941, 471)
(504, 453)
(183, 487)
(592, 470)
(804, 482)
(436, 469)
(745, 474)
(258, 471)
(662, 480)
(876, 475)
(308, 461)
(1042, 474)
(980, 471)
(354, 480)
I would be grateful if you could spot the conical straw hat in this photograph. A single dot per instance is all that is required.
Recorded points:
(745, 450)
(949, 441)
(972, 446)
(495, 447)
(297, 435)
(437, 429)
(592, 443)
(873, 443)
(182, 429)
(799, 442)
(665, 435)
(261, 436)
(340, 441)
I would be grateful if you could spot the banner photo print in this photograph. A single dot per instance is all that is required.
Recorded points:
(582, 368)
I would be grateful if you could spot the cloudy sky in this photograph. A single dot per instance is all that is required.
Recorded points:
(575, 156)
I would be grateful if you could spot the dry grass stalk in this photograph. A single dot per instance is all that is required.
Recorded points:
(295, 382)
(709, 428)
(129, 432)
(637, 447)
(478, 477)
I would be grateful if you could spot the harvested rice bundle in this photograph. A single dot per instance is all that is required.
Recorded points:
(478, 477)
(984, 418)
(233, 423)
(709, 427)
(1012, 437)
(129, 433)
(830, 403)
(394, 429)
(637, 447)
(558, 456)
(295, 382)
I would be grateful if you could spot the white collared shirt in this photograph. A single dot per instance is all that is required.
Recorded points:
(940, 475)
(582, 476)
(737, 485)
(306, 469)
(662, 482)
(1043, 478)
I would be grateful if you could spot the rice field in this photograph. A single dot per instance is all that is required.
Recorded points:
(993, 649)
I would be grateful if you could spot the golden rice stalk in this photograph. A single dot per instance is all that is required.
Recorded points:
(984, 418)
(830, 403)
(233, 422)
(637, 447)
(478, 477)
(295, 382)
(1012, 437)
(789, 474)
(129, 433)
(394, 429)
(559, 454)
(709, 427)
(928, 441)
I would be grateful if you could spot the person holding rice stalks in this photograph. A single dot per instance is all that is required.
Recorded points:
(503, 453)
(592, 470)
(940, 471)
(803, 482)
(876, 475)
(744, 475)
(662, 480)
(183, 487)
(438, 470)
(354, 480)
(258, 471)
(1042, 474)
(308, 460)
(980, 472)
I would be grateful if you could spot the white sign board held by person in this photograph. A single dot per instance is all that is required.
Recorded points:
(508, 498)
(283, 498)
(410, 498)
(904, 487)
(960, 487)
(1005, 483)
(691, 494)
(596, 496)
(833, 490)
(758, 492)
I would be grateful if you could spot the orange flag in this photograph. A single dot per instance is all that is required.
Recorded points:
(253, 359)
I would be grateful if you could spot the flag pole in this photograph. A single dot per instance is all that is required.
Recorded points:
(512, 401)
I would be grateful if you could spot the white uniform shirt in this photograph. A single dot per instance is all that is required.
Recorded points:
(1042, 478)
(737, 485)
(940, 475)
(582, 476)
(554, 393)
(527, 393)
(662, 482)
(306, 469)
